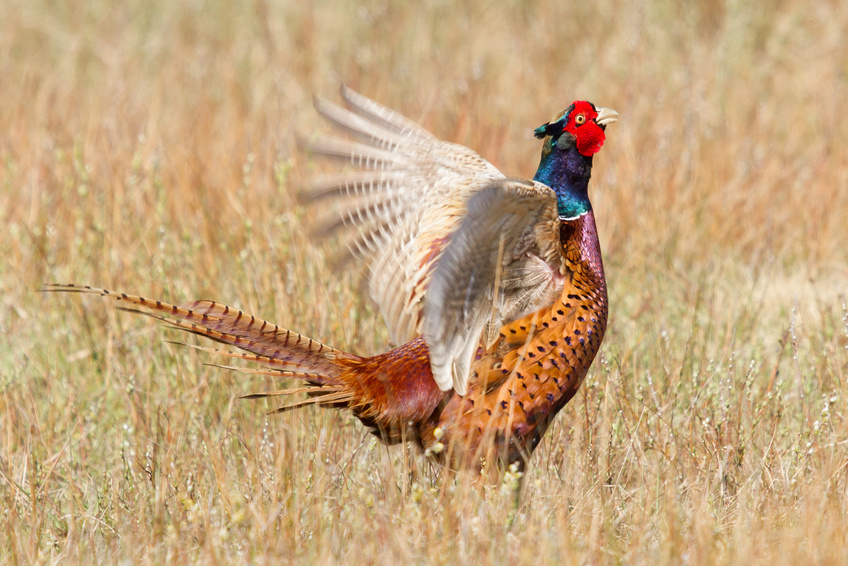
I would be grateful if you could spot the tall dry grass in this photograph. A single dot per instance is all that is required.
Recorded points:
(147, 146)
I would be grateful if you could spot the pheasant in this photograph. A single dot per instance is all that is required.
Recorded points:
(494, 286)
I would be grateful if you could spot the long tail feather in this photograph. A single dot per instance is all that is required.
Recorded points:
(268, 371)
(277, 347)
(330, 378)
(292, 391)
(342, 398)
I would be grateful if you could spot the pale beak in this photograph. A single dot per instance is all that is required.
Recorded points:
(606, 116)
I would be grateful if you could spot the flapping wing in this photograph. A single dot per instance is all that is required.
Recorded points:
(399, 206)
(502, 262)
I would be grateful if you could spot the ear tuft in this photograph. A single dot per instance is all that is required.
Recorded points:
(550, 129)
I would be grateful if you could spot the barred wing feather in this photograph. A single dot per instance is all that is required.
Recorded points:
(400, 209)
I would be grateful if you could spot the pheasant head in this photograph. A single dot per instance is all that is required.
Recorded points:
(572, 137)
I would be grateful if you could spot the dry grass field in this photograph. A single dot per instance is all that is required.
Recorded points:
(148, 146)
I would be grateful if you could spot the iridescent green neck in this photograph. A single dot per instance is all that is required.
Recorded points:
(567, 172)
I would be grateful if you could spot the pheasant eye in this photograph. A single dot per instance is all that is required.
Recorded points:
(580, 119)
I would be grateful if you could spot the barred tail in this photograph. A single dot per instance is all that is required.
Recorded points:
(283, 352)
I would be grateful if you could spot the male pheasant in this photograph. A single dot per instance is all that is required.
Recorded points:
(494, 286)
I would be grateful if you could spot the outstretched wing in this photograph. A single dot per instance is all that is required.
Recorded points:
(502, 262)
(399, 207)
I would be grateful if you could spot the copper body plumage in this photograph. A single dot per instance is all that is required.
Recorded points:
(499, 300)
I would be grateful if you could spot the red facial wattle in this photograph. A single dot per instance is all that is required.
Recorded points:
(589, 135)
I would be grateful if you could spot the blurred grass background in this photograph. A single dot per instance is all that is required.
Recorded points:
(148, 146)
